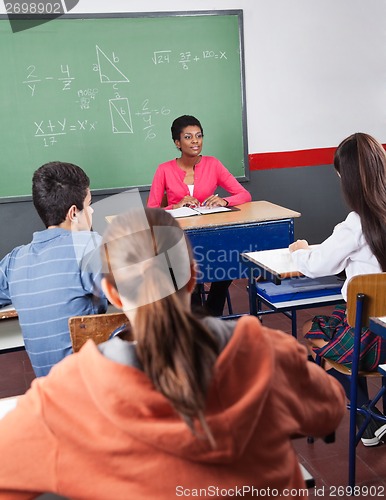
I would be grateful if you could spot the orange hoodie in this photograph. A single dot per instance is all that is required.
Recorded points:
(95, 429)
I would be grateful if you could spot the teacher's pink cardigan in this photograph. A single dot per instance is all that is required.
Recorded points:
(209, 174)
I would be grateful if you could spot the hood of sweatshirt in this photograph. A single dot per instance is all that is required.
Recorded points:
(241, 381)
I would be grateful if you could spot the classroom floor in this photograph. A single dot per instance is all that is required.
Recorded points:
(326, 462)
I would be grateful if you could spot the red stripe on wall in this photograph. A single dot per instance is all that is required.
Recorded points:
(287, 159)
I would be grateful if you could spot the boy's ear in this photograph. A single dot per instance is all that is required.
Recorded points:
(72, 213)
(111, 293)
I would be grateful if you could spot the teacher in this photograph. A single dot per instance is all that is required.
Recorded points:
(192, 180)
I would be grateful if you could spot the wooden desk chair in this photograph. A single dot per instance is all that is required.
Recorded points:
(366, 297)
(98, 327)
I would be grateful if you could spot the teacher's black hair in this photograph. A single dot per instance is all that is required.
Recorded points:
(182, 122)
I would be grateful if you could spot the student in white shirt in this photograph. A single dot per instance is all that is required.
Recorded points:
(356, 246)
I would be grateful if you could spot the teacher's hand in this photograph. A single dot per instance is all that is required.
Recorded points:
(298, 245)
(215, 201)
(187, 201)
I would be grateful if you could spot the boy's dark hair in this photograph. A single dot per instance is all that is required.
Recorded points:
(182, 122)
(56, 186)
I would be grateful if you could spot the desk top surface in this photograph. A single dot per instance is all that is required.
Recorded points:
(7, 404)
(8, 312)
(379, 319)
(254, 211)
(10, 334)
(378, 326)
(278, 262)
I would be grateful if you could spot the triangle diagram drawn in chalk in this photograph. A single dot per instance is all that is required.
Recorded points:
(120, 116)
(108, 72)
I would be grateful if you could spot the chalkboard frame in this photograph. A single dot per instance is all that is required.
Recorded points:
(228, 12)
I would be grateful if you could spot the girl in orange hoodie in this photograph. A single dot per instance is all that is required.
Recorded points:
(181, 407)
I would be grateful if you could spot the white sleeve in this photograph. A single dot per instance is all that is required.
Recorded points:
(331, 256)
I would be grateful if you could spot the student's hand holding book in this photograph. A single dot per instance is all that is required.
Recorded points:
(299, 245)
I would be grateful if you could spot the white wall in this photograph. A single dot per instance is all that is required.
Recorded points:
(315, 69)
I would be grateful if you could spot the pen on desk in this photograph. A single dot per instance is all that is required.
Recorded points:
(208, 198)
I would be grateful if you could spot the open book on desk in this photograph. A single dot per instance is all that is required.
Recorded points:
(277, 262)
(188, 212)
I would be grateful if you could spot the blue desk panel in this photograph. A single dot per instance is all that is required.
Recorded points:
(217, 248)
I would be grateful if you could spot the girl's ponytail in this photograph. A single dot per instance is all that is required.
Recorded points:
(151, 268)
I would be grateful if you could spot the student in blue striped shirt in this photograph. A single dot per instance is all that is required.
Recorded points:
(58, 274)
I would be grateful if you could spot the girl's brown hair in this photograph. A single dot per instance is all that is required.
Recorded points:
(360, 160)
(148, 259)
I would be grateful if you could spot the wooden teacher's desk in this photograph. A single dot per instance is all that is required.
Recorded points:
(218, 239)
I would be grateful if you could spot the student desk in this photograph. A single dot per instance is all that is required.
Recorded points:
(378, 326)
(218, 239)
(8, 312)
(7, 404)
(11, 338)
(275, 266)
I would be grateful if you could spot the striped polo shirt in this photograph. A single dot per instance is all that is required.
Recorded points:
(54, 277)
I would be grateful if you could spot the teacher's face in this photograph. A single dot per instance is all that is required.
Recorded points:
(190, 142)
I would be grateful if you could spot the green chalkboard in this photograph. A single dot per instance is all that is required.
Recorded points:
(102, 92)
